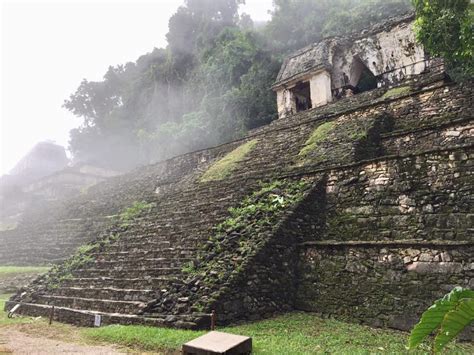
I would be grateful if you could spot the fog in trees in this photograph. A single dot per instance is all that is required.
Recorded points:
(211, 84)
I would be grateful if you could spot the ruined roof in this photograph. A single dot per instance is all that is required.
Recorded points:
(316, 56)
(308, 59)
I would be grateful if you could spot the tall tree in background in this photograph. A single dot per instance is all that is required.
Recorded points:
(296, 23)
(210, 85)
(446, 29)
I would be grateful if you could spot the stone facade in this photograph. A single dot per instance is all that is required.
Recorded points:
(388, 211)
(395, 235)
(338, 67)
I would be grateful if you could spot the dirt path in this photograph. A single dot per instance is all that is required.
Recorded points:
(13, 341)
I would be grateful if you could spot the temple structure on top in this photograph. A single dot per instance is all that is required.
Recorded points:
(344, 66)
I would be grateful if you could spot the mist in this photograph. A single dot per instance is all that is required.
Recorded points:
(190, 74)
(49, 47)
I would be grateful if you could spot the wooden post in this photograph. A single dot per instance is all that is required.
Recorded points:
(213, 320)
(51, 315)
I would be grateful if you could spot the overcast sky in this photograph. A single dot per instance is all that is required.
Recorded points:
(48, 47)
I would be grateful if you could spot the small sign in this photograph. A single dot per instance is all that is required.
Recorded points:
(97, 320)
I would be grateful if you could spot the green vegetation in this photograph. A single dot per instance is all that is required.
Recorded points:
(293, 333)
(257, 212)
(447, 317)
(445, 28)
(318, 136)
(82, 256)
(398, 91)
(241, 236)
(13, 270)
(132, 212)
(210, 84)
(144, 338)
(224, 167)
(79, 259)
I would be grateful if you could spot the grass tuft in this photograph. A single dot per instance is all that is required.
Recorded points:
(224, 167)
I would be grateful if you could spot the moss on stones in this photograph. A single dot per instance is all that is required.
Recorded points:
(224, 167)
(318, 136)
(398, 91)
(136, 209)
(236, 240)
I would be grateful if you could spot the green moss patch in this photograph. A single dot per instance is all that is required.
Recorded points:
(319, 135)
(135, 210)
(224, 167)
(401, 90)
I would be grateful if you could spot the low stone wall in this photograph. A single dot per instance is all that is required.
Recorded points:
(395, 236)
(384, 286)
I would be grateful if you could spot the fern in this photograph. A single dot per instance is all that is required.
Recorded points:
(447, 317)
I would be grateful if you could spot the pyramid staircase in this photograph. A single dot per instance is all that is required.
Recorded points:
(123, 279)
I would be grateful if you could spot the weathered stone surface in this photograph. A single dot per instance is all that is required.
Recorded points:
(410, 188)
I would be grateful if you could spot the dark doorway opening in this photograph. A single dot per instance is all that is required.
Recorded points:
(302, 95)
(367, 81)
(362, 79)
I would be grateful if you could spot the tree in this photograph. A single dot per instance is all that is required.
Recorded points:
(297, 23)
(446, 29)
(210, 85)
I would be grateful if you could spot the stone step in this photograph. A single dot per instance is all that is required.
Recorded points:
(93, 304)
(111, 293)
(141, 246)
(86, 318)
(153, 253)
(160, 282)
(128, 273)
(140, 263)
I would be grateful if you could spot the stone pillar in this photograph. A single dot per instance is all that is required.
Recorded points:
(320, 86)
(286, 104)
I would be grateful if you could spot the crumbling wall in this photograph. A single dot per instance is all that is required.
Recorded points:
(391, 55)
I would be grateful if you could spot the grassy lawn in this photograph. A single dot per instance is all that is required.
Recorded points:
(293, 333)
(10, 270)
(4, 320)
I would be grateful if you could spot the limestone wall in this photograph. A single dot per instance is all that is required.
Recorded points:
(395, 236)
(392, 53)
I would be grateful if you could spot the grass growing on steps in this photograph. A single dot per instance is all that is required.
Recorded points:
(13, 270)
(224, 167)
(293, 333)
(319, 135)
(401, 90)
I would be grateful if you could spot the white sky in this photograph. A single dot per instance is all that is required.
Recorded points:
(48, 47)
